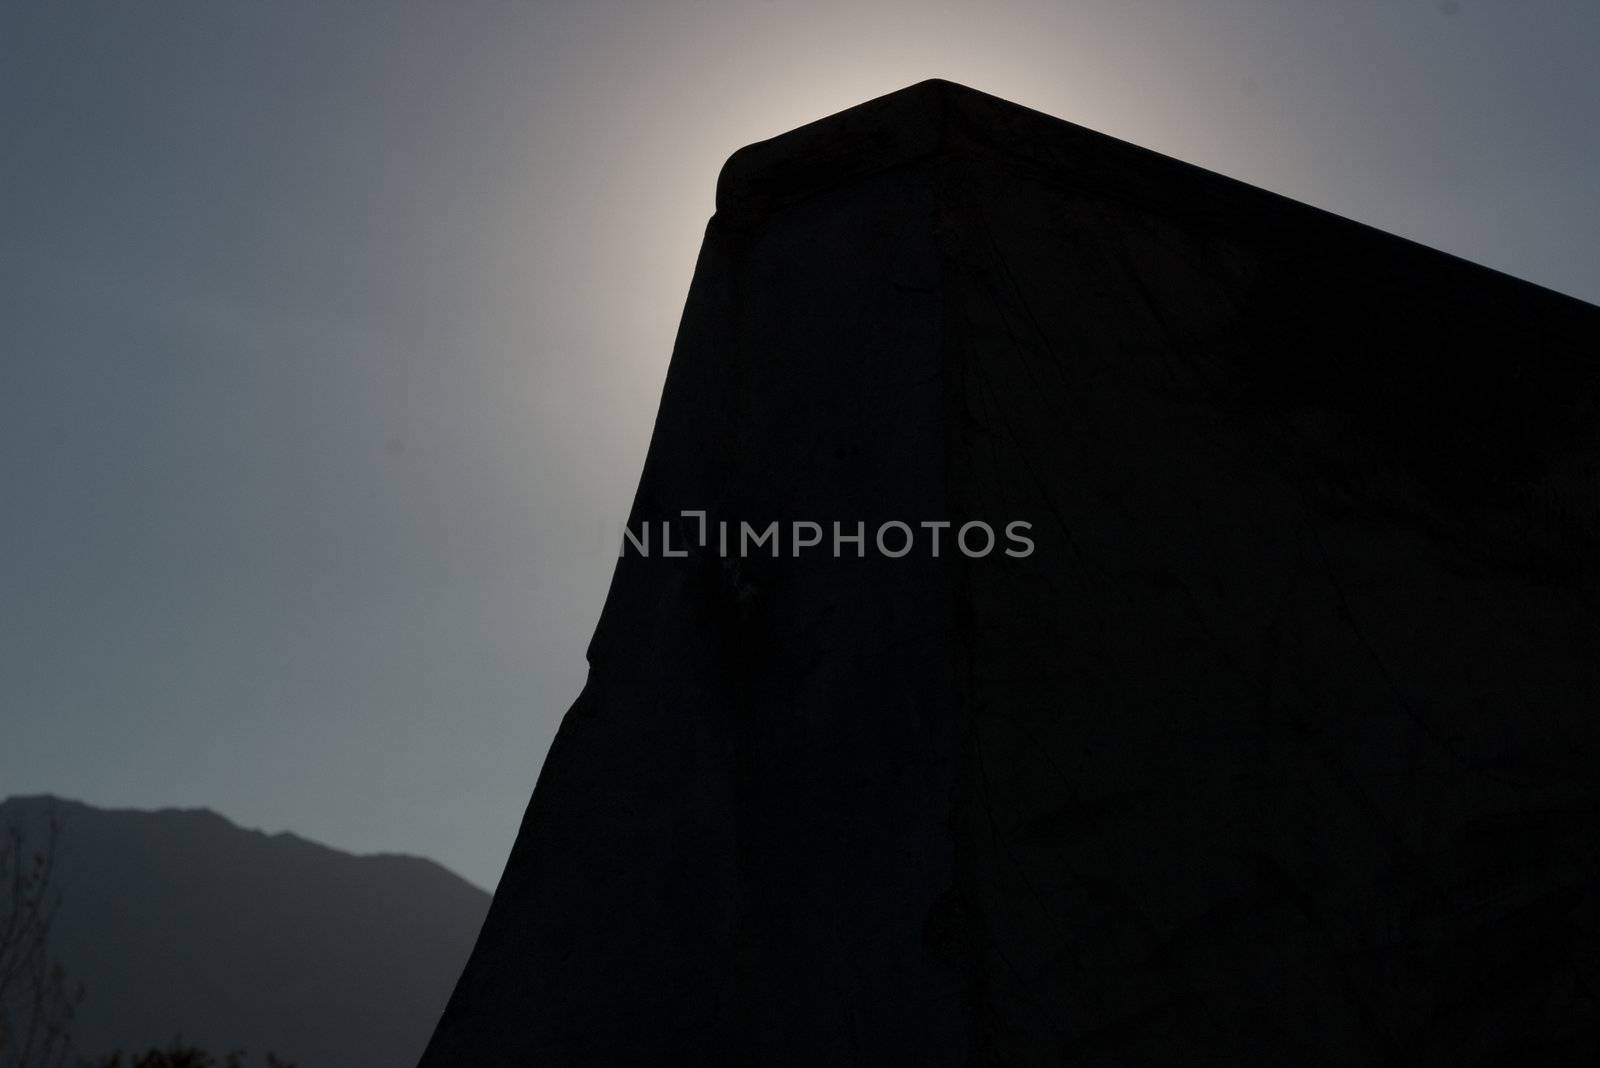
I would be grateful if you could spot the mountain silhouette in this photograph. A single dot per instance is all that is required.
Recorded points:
(181, 924)
(1279, 746)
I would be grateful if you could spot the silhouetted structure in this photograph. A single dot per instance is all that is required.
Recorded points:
(1280, 747)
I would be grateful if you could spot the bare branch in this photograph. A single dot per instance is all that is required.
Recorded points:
(37, 1003)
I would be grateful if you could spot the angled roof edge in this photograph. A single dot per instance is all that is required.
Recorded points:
(938, 118)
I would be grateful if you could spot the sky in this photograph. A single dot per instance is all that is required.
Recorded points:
(332, 333)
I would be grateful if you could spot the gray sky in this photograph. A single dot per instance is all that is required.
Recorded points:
(331, 333)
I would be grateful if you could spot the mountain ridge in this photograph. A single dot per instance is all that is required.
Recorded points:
(203, 811)
(180, 922)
